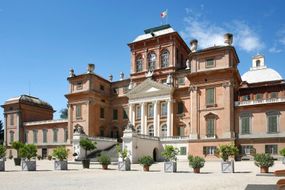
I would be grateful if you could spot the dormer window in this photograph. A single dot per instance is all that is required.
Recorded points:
(139, 63)
(151, 59)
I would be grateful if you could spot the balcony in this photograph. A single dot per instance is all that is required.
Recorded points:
(258, 102)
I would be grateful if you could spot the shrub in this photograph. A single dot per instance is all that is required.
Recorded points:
(170, 153)
(49, 157)
(146, 161)
(104, 159)
(39, 157)
(17, 145)
(122, 153)
(60, 153)
(10, 157)
(87, 145)
(2, 151)
(282, 152)
(196, 161)
(263, 160)
(227, 150)
(28, 151)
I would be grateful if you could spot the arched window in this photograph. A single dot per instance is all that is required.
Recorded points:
(163, 130)
(138, 129)
(139, 63)
(211, 125)
(257, 63)
(151, 59)
(151, 130)
(164, 59)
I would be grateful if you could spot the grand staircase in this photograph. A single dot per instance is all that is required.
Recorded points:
(111, 151)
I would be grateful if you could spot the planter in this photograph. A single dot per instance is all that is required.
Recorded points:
(146, 168)
(28, 165)
(196, 170)
(86, 163)
(2, 165)
(264, 169)
(228, 166)
(124, 165)
(170, 167)
(17, 161)
(60, 165)
(104, 167)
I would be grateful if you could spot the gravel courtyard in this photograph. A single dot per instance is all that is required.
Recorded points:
(246, 177)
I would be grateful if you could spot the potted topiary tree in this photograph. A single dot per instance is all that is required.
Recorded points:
(170, 155)
(27, 152)
(49, 157)
(2, 157)
(196, 163)
(264, 161)
(60, 153)
(225, 151)
(87, 145)
(17, 145)
(124, 163)
(146, 162)
(104, 160)
(282, 153)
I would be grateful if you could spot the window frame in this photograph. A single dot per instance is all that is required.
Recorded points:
(273, 148)
(163, 113)
(35, 136)
(210, 104)
(45, 131)
(65, 135)
(102, 113)
(139, 63)
(207, 63)
(150, 130)
(151, 63)
(180, 105)
(55, 135)
(243, 132)
(115, 114)
(163, 130)
(213, 121)
(150, 110)
(138, 112)
(78, 111)
(164, 58)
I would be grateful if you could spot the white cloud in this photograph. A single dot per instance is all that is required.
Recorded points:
(210, 34)
(274, 50)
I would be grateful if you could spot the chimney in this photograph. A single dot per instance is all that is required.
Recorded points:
(110, 78)
(90, 68)
(193, 45)
(228, 37)
(122, 76)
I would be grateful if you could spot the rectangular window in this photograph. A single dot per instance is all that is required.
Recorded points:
(272, 123)
(138, 112)
(102, 113)
(183, 150)
(78, 112)
(180, 108)
(125, 89)
(163, 81)
(115, 114)
(35, 136)
(11, 137)
(245, 98)
(245, 125)
(65, 135)
(210, 127)
(181, 81)
(125, 113)
(45, 136)
(209, 150)
(181, 131)
(210, 63)
(102, 88)
(115, 90)
(246, 149)
(79, 85)
(55, 135)
(26, 136)
(271, 149)
(274, 95)
(259, 96)
(150, 110)
(11, 119)
(163, 109)
(210, 96)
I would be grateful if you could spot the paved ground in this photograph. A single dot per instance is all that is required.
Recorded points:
(246, 177)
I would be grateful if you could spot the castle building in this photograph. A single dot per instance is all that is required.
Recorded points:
(192, 98)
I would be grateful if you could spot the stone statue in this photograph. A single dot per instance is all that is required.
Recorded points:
(130, 127)
(187, 64)
(78, 129)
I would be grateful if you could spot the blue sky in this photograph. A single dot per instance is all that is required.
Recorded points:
(41, 40)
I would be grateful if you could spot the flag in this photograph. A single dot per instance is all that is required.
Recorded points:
(163, 14)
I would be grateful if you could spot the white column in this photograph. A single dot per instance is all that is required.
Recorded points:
(155, 118)
(131, 114)
(142, 118)
(169, 118)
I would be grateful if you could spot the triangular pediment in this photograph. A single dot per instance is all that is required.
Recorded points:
(149, 88)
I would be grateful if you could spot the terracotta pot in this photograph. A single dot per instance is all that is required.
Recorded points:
(146, 168)
(105, 167)
(263, 169)
(196, 170)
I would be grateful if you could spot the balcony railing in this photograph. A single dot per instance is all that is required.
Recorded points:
(256, 102)
(175, 138)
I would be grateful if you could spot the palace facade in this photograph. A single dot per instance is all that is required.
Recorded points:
(192, 97)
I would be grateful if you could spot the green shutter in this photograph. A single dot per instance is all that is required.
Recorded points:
(245, 125)
(210, 97)
(272, 124)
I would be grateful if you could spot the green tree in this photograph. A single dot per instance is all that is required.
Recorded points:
(87, 145)
(64, 113)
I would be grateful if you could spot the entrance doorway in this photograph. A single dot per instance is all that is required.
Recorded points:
(44, 153)
(154, 154)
